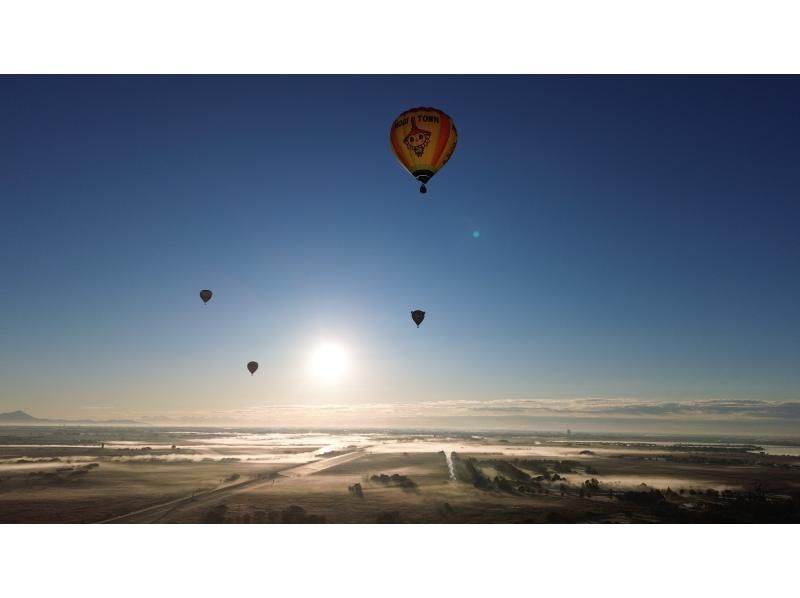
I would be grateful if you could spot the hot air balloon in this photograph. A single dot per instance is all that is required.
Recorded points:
(205, 295)
(252, 367)
(417, 315)
(423, 139)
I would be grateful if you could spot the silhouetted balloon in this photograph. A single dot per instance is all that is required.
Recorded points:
(417, 315)
(423, 139)
(206, 295)
(252, 367)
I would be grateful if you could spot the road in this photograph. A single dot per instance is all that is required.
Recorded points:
(158, 513)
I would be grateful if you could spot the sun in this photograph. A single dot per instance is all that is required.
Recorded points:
(328, 363)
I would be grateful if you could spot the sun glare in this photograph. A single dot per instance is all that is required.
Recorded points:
(329, 363)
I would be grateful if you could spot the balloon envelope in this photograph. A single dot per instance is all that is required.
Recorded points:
(417, 315)
(252, 367)
(423, 139)
(205, 295)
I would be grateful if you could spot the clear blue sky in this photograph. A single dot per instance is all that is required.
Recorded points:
(638, 237)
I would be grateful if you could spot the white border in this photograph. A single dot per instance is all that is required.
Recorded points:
(411, 560)
(368, 36)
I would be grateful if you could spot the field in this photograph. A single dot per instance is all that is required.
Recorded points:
(158, 475)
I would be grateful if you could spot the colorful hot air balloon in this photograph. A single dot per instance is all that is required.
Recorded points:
(252, 367)
(417, 315)
(423, 139)
(205, 295)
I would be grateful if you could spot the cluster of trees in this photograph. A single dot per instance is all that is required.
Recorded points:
(508, 470)
(754, 506)
(393, 480)
(216, 514)
(645, 498)
(544, 466)
(292, 514)
(266, 516)
(588, 488)
(64, 474)
(510, 478)
(297, 514)
(388, 517)
(468, 470)
(503, 484)
(705, 460)
(710, 492)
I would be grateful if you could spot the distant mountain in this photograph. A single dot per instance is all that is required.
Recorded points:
(17, 417)
(20, 417)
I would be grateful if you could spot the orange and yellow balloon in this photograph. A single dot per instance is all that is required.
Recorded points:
(423, 139)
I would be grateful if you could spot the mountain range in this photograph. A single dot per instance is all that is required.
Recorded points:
(22, 418)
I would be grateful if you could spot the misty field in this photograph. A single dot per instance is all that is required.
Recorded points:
(158, 475)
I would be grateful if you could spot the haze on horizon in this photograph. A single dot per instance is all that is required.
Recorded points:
(630, 241)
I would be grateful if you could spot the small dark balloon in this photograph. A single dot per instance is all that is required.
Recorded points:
(206, 295)
(417, 315)
(252, 367)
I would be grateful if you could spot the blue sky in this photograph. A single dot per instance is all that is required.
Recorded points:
(639, 237)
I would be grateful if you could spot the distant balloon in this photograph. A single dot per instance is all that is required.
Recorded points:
(417, 315)
(206, 295)
(423, 139)
(252, 367)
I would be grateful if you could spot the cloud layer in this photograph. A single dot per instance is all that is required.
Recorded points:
(582, 414)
